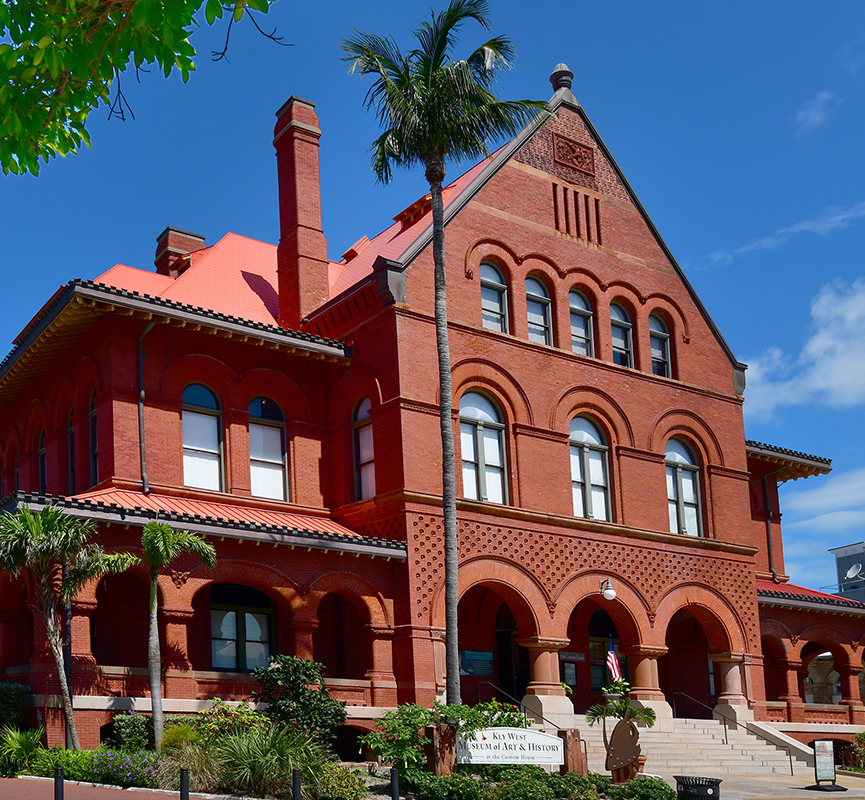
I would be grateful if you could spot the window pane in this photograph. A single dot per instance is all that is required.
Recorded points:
(579, 509)
(596, 468)
(256, 627)
(674, 516)
(197, 395)
(672, 494)
(476, 406)
(224, 654)
(535, 287)
(691, 525)
(620, 337)
(678, 452)
(364, 444)
(689, 487)
(599, 503)
(537, 313)
(201, 431)
(491, 274)
(367, 480)
(577, 464)
(363, 408)
(268, 480)
(491, 299)
(492, 447)
(470, 480)
(223, 624)
(467, 442)
(265, 443)
(583, 429)
(659, 348)
(576, 300)
(495, 484)
(201, 470)
(257, 655)
(265, 408)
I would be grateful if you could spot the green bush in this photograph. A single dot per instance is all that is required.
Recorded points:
(571, 786)
(204, 769)
(295, 691)
(512, 786)
(122, 768)
(644, 789)
(398, 737)
(260, 761)
(19, 748)
(77, 764)
(483, 715)
(222, 719)
(177, 735)
(458, 786)
(336, 782)
(14, 699)
(602, 783)
(133, 732)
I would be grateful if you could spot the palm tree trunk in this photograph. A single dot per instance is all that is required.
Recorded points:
(435, 175)
(48, 608)
(154, 659)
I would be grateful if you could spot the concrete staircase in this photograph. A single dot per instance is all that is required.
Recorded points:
(696, 747)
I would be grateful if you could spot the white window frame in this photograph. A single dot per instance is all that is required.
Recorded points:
(364, 469)
(626, 327)
(677, 472)
(240, 640)
(190, 410)
(585, 314)
(582, 449)
(543, 333)
(493, 280)
(282, 462)
(476, 428)
(661, 337)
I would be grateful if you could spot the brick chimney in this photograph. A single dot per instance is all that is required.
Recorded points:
(302, 253)
(171, 247)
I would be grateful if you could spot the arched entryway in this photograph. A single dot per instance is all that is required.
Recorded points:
(774, 668)
(688, 676)
(820, 681)
(120, 621)
(341, 641)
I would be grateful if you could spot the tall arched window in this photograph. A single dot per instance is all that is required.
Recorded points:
(93, 434)
(70, 453)
(589, 483)
(483, 451)
(683, 489)
(267, 449)
(623, 347)
(364, 455)
(538, 310)
(659, 338)
(202, 441)
(42, 463)
(494, 299)
(581, 324)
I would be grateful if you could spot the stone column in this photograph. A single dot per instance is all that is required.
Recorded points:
(380, 674)
(440, 661)
(545, 696)
(645, 683)
(850, 693)
(178, 678)
(302, 629)
(732, 702)
(791, 693)
(82, 610)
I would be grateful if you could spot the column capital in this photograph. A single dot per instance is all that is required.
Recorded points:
(646, 650)
(83, 608)
(543, 643)
(381, 631)
(735, 658)
(177, 615)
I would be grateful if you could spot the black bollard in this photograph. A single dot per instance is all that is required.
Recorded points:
(295, 785)
(394, 783)
(58, 782)
(184, 783)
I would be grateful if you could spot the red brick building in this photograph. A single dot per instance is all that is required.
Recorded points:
(285, 406)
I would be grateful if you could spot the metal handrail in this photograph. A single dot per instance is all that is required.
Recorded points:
(735, 722)
(519, 703)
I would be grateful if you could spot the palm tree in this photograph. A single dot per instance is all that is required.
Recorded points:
(44, 542)
(161, 545)
(433, 109)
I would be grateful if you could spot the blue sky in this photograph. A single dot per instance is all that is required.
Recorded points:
(738, 126)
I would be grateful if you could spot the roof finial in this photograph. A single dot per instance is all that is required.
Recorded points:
(562, 77)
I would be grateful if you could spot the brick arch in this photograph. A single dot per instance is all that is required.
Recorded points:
(689, 426)
(37, 420)
(260, 382)
(830, 638)
(778, 630)
(285, 592)
(354, 587)
(629, 611)
(722, 626)
(62, 399)
(588, 284)
(515, 586)
(670, 311)
(87, 593)
(542, 267)
(778, 642)
(625, 294)
(216, 375)
(88, 379)
(475, 373)
(594, 402)
(497, 253)
(358, 382)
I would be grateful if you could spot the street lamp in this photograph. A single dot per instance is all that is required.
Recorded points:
(607, 589)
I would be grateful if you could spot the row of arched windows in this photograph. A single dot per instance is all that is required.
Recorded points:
(482, 443)
(494, 308)
(268, 451)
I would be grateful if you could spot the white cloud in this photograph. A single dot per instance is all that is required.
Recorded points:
(830, 370)
(845, 490)
(829, 220)
(815, 113)
(834, 522)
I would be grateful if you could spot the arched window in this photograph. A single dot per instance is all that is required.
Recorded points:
(70, 453)
(494, 299)
(683, 489)
(623, 348)
(42, 463)
(241, 627)
(202, 442)
(659, 338)
(589, 483)
(483, 452)
(93, 433)
(364, 455)
(267, 449)
(538, 310)
(581, 324)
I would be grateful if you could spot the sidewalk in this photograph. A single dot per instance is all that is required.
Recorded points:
(773, 786)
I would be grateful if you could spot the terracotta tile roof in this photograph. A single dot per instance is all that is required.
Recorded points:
(790, 591)
(215, 518)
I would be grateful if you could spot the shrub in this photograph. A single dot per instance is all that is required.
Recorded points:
(121, 768)
(222, 719)
(513, 786)
(483, 715)
(602, 783)
(14, 698)
(77, 764)
(336, 782)
(260, 761)
(644, 789)
(571, 786)
(177, 735)
(18, 748)
(204, 769)
(398, 737)
(295, 691)
(458, 786)
(133, 732)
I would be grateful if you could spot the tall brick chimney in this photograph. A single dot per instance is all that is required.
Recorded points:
(171, 247)
(302, 252)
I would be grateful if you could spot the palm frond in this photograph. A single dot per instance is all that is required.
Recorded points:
(162, 544)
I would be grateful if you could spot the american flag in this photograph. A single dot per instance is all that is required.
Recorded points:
(613, 662)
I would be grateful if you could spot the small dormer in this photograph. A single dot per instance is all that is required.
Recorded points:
(414, 212)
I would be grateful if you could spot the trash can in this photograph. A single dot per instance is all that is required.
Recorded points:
(691, 788)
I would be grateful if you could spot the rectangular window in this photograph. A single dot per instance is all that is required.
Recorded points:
(267, 461)
(365, 461)
(223, 638)
(201, 456)
(470, 461)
